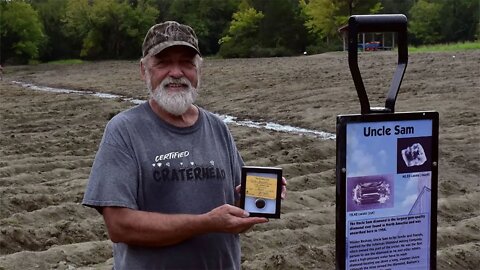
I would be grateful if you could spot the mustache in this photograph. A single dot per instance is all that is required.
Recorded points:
(181, 81)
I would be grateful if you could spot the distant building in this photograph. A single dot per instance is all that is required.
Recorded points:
(370, 41)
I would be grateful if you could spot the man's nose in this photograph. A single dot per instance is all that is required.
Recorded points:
(176, 71)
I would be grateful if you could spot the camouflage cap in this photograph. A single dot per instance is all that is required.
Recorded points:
(167, 34)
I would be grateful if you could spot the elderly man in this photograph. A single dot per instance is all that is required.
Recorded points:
(166, 172)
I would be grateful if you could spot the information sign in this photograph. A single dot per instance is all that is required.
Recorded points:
(387, 191)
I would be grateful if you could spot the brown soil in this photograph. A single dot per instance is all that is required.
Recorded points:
(48, 141)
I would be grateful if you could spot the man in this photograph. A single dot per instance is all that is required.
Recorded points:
(166, 174)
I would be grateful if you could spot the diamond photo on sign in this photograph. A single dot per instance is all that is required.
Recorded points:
(371, 192)
(414, 155)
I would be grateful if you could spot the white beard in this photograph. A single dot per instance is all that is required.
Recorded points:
(174, 102)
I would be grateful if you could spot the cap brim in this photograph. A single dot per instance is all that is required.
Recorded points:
(167, 44)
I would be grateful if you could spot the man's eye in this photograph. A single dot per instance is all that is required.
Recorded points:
(188, 62)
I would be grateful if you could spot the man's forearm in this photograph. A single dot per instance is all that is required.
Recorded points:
(142, 228)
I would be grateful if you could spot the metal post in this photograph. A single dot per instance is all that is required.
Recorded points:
(377, 23)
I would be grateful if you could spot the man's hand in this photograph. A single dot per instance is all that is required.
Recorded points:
(231, 219)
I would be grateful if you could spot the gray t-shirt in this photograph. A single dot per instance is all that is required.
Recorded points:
(147, 164)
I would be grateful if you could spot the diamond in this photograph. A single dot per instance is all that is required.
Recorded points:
(371, 192)
(414, 155)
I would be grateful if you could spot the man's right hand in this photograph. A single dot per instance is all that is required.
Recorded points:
(231, 219)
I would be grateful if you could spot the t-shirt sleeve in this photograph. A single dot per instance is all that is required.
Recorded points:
(113, 178)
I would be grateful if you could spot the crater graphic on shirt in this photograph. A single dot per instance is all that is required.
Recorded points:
(173, 167)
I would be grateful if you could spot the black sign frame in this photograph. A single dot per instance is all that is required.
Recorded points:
(341, 173)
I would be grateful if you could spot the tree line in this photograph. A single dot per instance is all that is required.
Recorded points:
(46, 30)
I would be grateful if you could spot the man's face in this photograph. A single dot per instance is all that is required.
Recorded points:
(172, 78)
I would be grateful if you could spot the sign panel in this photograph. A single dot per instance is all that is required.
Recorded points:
(387, 191)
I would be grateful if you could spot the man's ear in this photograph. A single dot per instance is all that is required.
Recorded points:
(142, 70)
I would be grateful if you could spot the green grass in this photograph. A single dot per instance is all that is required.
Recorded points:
(66, 62)
(475, 45)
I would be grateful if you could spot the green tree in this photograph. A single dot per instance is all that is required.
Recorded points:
(109, 28)
(325, 17)
(57, 46)
(21, 33)
(397, 7)
(441, 21)
(459, 20)
(163, 6)
(209, 18)
(426, 21)
(321, 14)
(280, 37)
(242, 33)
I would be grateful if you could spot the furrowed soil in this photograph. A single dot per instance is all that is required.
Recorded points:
(48, 142)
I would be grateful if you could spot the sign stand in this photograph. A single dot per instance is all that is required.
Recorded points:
(377, 23)
(387, 171)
